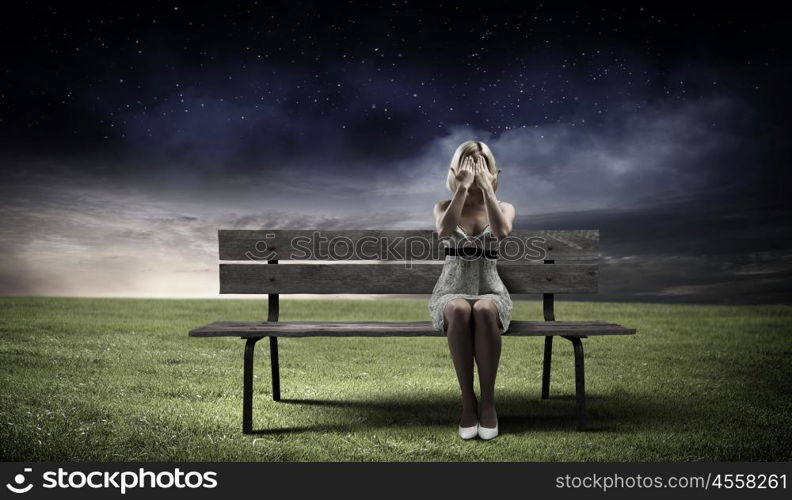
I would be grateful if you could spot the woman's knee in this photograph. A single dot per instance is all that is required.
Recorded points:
(485, 311)
(458, 310)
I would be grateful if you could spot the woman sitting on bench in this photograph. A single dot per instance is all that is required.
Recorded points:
(469, 301)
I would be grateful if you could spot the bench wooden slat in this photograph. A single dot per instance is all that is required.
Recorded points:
(395, 329)
(395, 278)
(366, 244)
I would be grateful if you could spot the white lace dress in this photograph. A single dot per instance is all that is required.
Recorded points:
(469, 278)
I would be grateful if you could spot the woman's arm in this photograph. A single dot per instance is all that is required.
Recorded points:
(447, 212)
(500, 214)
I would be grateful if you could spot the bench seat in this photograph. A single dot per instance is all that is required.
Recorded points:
(254, 329)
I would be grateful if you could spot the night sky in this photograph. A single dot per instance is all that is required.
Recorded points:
(131, 132)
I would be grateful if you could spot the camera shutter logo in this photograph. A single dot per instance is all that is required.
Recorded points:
(19, 480)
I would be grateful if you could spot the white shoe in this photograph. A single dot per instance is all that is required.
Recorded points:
(488, 432)
(468, 432)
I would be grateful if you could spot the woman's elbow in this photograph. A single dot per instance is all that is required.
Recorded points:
(503, 233)
(444, 233)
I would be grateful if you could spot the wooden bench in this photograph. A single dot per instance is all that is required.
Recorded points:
(398, 262)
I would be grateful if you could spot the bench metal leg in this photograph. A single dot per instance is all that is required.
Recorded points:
(247, 387)
(580, 385)
(548, 354)
(275, 368)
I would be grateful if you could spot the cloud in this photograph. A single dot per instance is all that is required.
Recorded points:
(715, 248)
(74, 238)
(638, 159)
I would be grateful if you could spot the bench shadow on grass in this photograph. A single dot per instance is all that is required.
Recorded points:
(517, 414)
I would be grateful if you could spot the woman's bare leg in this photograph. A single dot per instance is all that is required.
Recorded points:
(457, 314)
(487, 350)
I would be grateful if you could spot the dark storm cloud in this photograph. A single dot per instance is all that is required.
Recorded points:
(716, 248)
(670, 150)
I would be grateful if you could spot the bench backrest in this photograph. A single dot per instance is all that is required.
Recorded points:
(397, 261)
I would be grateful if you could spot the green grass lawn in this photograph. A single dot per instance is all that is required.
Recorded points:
(118, 379)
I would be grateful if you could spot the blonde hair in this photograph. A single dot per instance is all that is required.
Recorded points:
(465, 149)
